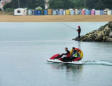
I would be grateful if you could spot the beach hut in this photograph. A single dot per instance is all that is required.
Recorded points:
(64, 12)
(57, 12)
(30, 12)
(54, 12)
(79, 12)
(101, 12)
(20, 12)
(97, 12)
(35, 12)
(105, 11)
(93, 12)
(109, 12)
(72, 12)
(39, 12)
(76, 11)
(45, 12)
(83, 12)
(49, 11)
(61, 12)
(67, 12)
(87, 12)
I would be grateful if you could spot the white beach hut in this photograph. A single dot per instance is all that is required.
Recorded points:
(76, 12)
(105, 11)
(97, 12)
(20, 12)
(109, 12)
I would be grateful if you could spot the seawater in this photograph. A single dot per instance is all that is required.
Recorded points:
(25, 47)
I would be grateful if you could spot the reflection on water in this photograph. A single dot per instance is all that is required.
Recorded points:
(71, 72)
(67, 67)
(79, 44)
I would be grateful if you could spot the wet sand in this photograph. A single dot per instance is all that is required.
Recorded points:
(56, 18)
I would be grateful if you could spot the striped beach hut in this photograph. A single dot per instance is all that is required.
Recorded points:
(72, 12)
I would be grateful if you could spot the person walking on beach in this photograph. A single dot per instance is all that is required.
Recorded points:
(79, 31)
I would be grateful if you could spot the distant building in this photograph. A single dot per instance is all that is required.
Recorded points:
(46, 4)
(20, 12)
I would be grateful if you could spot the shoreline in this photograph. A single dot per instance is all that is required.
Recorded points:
(56, 18)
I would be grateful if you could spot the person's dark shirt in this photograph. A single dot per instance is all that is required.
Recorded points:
(67, 52)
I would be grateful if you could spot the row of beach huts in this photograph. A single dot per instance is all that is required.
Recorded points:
(24, 11)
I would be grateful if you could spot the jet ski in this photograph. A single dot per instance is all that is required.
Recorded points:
(76, 60)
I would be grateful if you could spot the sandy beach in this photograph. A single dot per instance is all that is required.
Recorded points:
(56, 18)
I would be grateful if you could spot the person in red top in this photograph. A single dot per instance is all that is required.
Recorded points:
(79, 31)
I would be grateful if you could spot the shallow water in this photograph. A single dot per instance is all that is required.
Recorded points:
(25, 47)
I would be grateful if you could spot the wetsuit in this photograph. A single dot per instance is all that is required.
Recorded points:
(67, 56)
